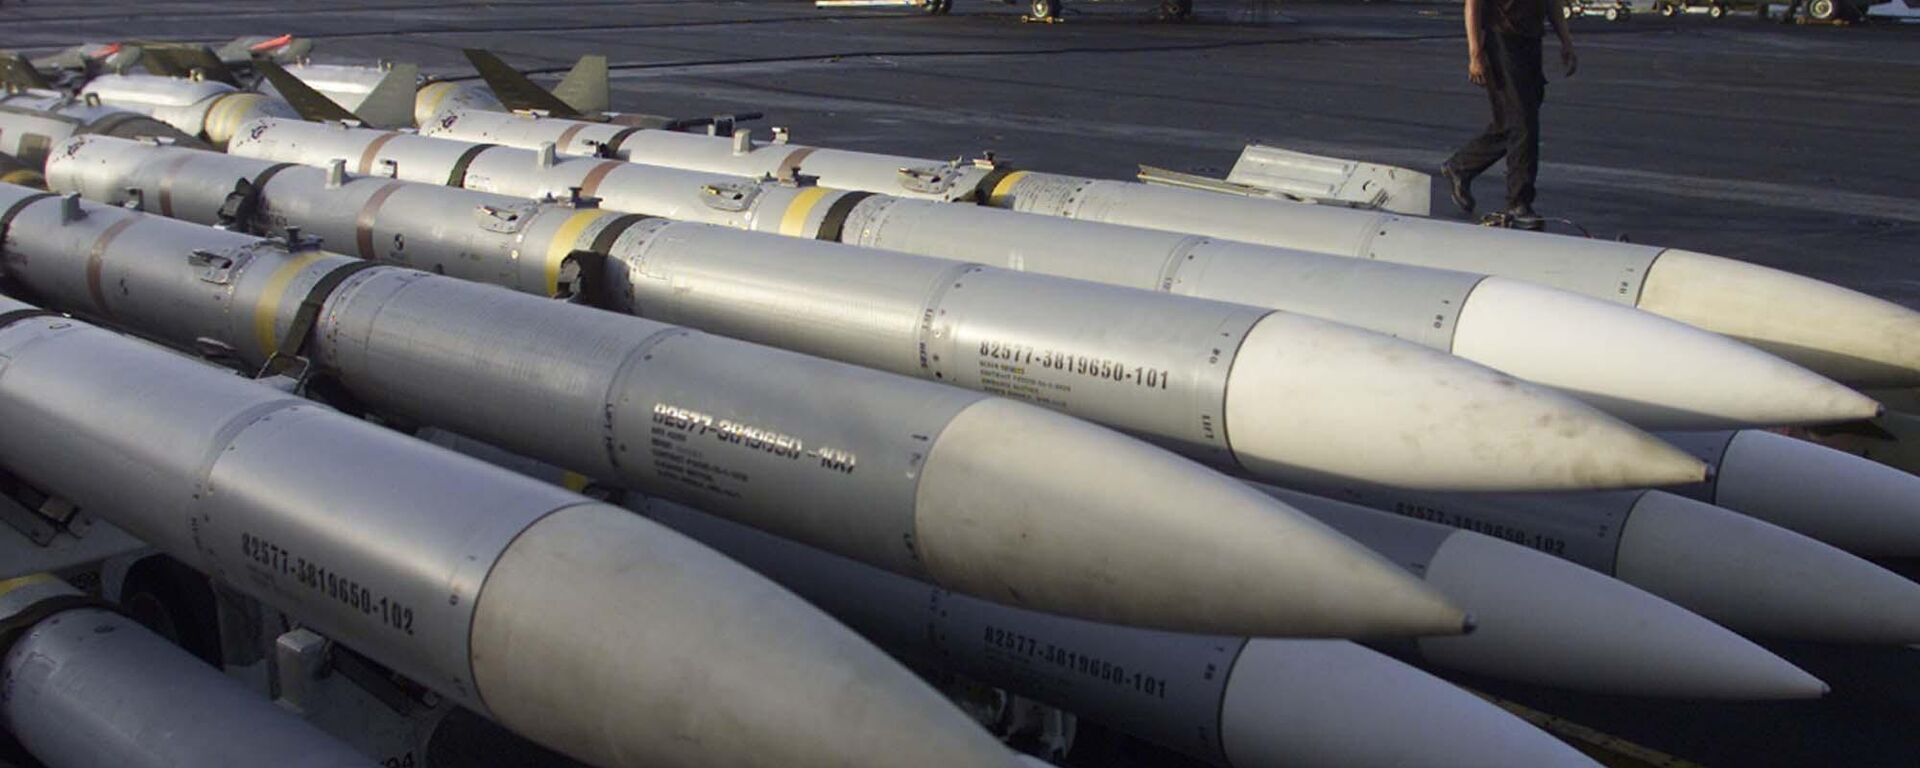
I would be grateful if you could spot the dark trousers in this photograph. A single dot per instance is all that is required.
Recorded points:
(1516, 85)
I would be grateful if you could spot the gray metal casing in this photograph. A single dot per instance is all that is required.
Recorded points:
(1583, 528)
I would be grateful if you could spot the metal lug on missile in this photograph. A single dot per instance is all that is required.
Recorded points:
(743, 141)
(780, 134)
(70, 210)
(546, 156)
(336, 173)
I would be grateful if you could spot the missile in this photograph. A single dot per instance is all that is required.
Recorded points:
(495, 590)
(1844, 334)
(383, 95)
(1269, 393)
(1647, 370)
(201, 108)
(88, 687)
(1230, 701)
(1860, 506)
(33, 122)
(1892, 440)
(984, 495)
(1749, 575)
(20, 174)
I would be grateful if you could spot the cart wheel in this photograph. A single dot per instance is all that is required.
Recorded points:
(938, 7)
(1823, 10)
(1612, 14)
(1176, 10)
(1669, 10)
(1567, 11)
(1717, 11)
(1045, 10)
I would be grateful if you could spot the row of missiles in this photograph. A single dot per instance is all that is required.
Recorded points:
(1443, 363)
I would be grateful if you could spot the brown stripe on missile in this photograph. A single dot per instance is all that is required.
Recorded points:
(95, 259)
(363, 224)
(790, 167)
(373, 150)
(167, 175)
(560, 144)
(591, 183)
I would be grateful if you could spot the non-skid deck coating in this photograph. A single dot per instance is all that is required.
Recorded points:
(1797, 148)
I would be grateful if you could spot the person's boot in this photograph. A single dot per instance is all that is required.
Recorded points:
(1460, 185)
(1521, 216)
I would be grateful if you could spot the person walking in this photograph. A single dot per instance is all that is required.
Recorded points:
(1504, 56)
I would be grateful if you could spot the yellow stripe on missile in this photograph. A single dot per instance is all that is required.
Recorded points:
(794, 222)
(433, 94)
(9, 585)
(267, 312)
(25, 177)
(565, 241)
(998, 197)
(572, 481)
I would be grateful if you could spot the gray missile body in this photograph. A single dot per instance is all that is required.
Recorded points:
(984, 495)
(1269, 393)
(1645, 369)
(206, 109)
(1747, 574)
(32, 123)
(1844, 334)
(494, 590)
(1232, 701)
(87, 687)
(1855, 504)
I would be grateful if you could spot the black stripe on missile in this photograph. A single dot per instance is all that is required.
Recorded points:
(242, 206)
(612, 146)
(983, 191)
(13, 211)
(15, 627)
(458, 176)
(604, 241)
(836, 218)
(9, 318)
(294, 344)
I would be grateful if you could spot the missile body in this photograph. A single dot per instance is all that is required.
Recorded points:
(207, 109)
(89, 687)
(1855, 504)
(1840, 333)
(1749, 575)
(1647, 370)
(981, 494)
(494, 590)
(32, 123)
(1231, 701)
(1270, 393)
(437, 98)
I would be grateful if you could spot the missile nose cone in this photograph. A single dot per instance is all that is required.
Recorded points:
(1557, 623)
(1760, 579)
(1309, 398)
(1844, 334)
(1648, 370)
(1327, 703)
(687, 658)
(1159, 542)
(1858, 505)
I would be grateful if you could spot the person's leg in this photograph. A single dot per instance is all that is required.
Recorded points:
(1484, 150)
(1524, 90)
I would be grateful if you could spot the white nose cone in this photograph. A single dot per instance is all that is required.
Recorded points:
(1152, 540)
(1760, 579)
(1847, 335)
(1860, 506)
(1322, 703)
(1309, 399)
(1544, 620)
(1651, 371)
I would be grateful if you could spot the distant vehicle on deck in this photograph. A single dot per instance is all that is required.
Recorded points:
(1037, 10)
(1611, 10)
(1715, 9)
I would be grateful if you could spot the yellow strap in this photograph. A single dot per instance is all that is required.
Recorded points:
(25, 177)
(266, 314)
(572, 481)
(9, 585)
(564, 242)
(793, 223)
(998, 197)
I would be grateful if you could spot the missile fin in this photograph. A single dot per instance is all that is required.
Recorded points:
(585, 86)
(515, 91)
(390, 103)
(311, 104)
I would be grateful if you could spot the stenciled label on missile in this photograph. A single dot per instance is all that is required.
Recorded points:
(266, 557)
(678, 432)
(1014, 359)
(1161, 685)
(1582, 533)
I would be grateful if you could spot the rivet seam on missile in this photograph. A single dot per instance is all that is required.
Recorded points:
(168, 174)
(95, 258)
(794, 222)
(835, 222)
(369, 211)
(458, 176)
(373, 149)
(561, 246)
(267, 313)
(998, 197)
